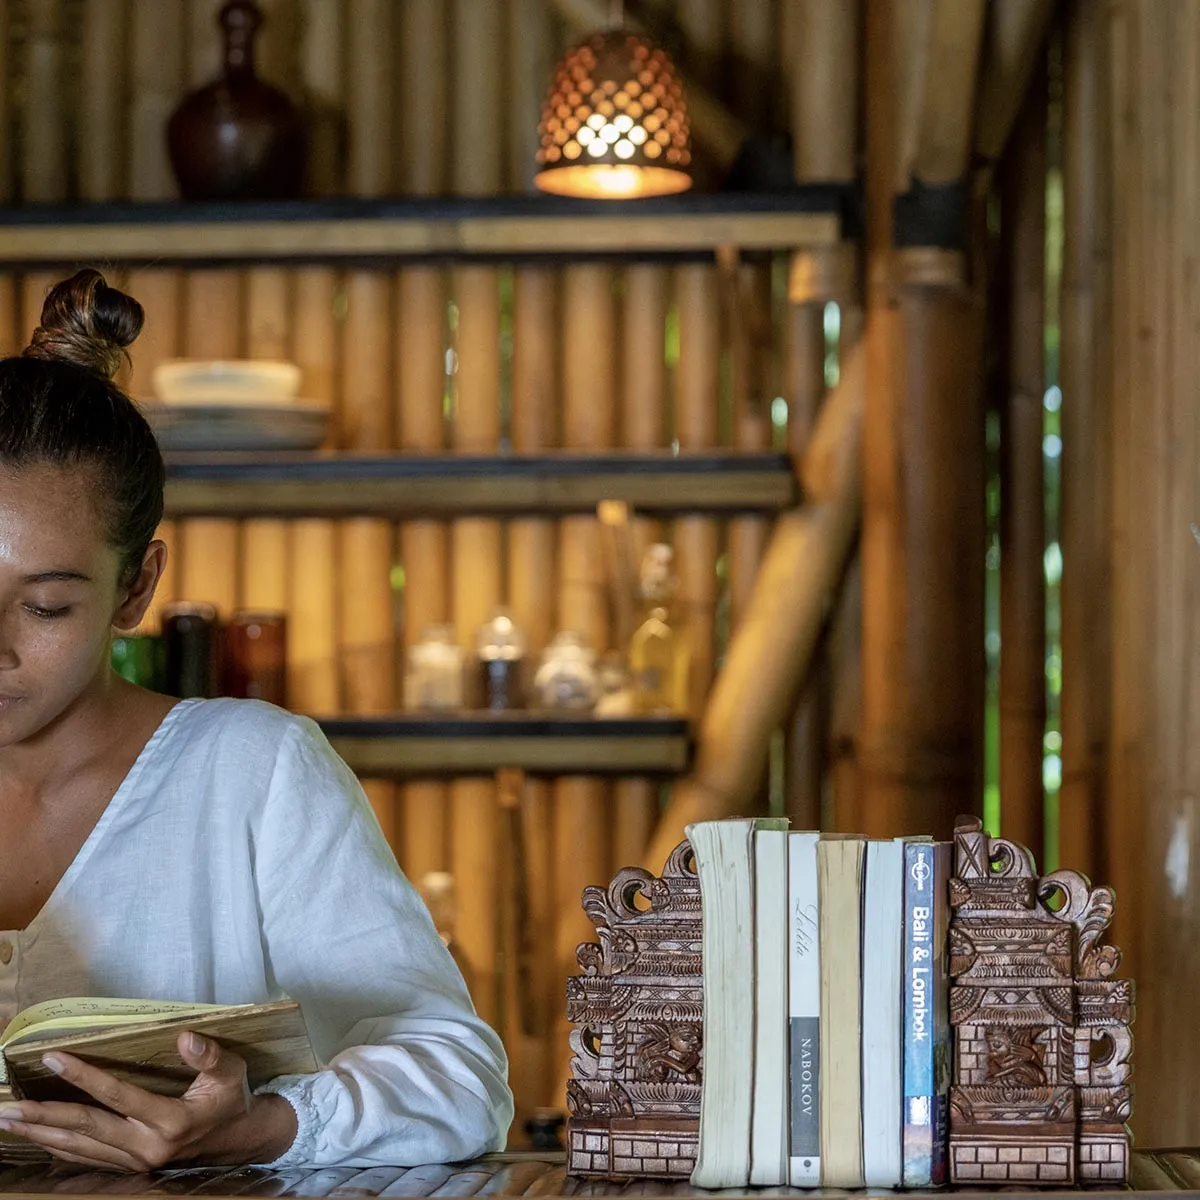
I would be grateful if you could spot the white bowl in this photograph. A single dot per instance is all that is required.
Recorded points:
(238, 381)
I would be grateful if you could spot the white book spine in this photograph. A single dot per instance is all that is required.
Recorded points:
(769, 1128)
(804, 1012)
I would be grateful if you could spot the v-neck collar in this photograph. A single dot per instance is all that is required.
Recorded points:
(112, 810)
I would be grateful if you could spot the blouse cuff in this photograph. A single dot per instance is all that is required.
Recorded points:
(297, 1091)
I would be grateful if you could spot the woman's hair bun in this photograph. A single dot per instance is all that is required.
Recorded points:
(88, 323)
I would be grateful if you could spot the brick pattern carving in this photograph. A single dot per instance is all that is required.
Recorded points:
(634, 1095)
(1042, 1043)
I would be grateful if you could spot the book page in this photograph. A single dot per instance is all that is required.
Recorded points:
(93, 1012)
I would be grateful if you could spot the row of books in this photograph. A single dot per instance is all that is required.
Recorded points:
(826, 997)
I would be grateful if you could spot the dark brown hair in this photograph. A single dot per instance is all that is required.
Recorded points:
(59, 406)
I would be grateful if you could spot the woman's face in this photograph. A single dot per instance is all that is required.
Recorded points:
(59, 597)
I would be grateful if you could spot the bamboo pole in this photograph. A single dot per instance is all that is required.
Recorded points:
(773, 649)
(421, 339)
(7, 158)
(531, 1027)
(210, 547)
(158, 77)
(312, 603)
(322, 39)
(532, 992)
(804, 780)
(943, 148)
(366, 621)
(1013, 32)
(476, 544)
(923, 503)
(211, 326)
(1150, 843)
(582, 825)
(313, 664)
(644, 399)
(697, 539)
(746, 294)
(1022, 484)
(265, 557)
(1085, 366)
(822, 37)
(43, 114)
(421, 375)
(156, 50)
(102, 98)
(821, 45)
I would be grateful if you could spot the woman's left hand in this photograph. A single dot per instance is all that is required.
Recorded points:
(217, 1120)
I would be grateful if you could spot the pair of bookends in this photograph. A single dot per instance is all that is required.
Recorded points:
(1042, 1046)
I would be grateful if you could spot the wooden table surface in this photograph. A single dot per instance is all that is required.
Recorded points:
(1163, 1172)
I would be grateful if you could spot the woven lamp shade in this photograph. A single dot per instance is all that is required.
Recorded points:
(615, 125)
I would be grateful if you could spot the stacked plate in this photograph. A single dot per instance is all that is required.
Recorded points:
(236, 405)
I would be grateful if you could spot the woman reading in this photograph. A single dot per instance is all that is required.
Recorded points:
(212, 851)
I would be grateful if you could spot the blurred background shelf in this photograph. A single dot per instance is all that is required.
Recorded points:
(501, 227)
(411, 745)
(400, 486)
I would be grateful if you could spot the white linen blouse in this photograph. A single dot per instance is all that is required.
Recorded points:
(240, 862)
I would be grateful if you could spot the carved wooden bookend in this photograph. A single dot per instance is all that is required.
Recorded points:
(1041, 1031)
(634, 1095)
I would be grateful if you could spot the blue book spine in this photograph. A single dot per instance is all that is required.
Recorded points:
(919, 1013)
(942, 1035)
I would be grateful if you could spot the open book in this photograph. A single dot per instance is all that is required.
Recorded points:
(136, 1040)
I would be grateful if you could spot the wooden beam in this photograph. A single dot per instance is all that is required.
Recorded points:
(527, 227)
(483, 744)
(401, 486)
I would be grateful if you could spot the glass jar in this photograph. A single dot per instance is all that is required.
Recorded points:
(433, 678)
(192, 640)
(566, 679)
(499, 652)
(256, 656)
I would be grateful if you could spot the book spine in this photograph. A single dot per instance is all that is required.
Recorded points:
(939, 1155)
(919, 1013)
(804, 1012)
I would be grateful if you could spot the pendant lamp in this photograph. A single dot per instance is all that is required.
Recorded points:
(615, 125)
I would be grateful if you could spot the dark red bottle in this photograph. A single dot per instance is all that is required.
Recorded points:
(237, 138)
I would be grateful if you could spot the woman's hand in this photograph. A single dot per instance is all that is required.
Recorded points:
(216, 1121)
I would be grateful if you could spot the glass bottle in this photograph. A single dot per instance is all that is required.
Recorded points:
(658, 651)
(139, 658)
(433, 680)
(499, 651)
(566, 679)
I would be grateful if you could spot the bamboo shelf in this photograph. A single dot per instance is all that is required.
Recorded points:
(406, 486)
(483, 743)
(467, 228)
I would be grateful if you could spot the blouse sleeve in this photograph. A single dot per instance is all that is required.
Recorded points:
(415, 1076)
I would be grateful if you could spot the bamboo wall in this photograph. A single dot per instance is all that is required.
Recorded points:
(427, 97)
